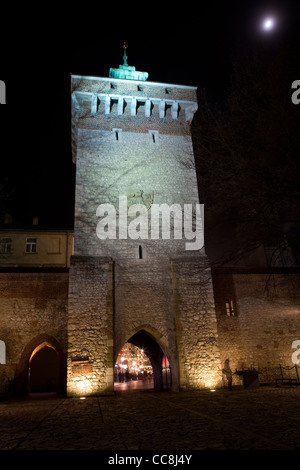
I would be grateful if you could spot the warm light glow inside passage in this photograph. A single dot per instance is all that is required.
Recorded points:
(132, 364)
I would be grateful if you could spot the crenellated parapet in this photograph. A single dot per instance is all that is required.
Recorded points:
(106, 103)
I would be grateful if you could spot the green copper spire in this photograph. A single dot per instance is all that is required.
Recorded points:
(126, 71)
(125, 55)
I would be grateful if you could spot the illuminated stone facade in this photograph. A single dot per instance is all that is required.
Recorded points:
(257, 312)
(133, 139)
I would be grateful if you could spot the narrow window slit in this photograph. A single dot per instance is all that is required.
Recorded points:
(117, 134)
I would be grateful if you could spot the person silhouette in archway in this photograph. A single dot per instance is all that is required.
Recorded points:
(227, 372)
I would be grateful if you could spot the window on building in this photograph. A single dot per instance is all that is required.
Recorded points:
(230, 310)
(154, 136)
(31, 244)
(117, 133)
(6, 245)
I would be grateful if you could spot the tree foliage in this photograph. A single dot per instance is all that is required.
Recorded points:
(247, 157)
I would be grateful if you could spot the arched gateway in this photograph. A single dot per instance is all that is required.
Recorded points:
(139, 257)
(42, 367)
(160, 364)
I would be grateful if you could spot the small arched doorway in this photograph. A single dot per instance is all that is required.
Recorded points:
(24, 367)
(43, 372)
(161, 377)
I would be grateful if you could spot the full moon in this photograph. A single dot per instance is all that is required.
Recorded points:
(268, 24)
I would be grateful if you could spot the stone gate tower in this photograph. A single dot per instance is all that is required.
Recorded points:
(129, 280)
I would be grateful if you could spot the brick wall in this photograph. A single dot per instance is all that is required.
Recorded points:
(132, 88)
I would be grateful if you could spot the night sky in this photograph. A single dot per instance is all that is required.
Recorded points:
(189, 47)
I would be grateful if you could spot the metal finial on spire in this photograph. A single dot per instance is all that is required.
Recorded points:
(126, 71)
(125, 55)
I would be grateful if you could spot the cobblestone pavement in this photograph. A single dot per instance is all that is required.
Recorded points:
(265, 418)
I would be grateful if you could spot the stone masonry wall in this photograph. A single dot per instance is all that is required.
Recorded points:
(33, 306)
(107, 169)
(197, 338)
(133, 140)
(144, 301)
(90, 327)
(267, 319)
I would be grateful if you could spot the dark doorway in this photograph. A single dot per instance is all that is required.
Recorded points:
(43, 370)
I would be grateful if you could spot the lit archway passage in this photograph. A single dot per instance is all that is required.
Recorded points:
(142, 358)
(133, 370)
